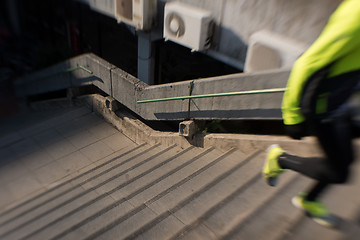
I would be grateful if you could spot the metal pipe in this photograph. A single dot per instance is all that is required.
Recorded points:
(78, 67)
(272, 90)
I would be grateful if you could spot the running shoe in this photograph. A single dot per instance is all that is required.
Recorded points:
(315, 210)
(271, 169)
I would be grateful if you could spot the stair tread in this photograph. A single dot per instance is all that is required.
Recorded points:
(135, 207)
(166, 192)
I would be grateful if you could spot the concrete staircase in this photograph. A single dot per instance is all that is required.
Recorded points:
(156, 192)
(153, 191)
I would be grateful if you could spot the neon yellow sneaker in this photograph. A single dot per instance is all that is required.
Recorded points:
(271, 169)
(315, 210)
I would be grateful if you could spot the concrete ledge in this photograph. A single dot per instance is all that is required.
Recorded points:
(141, 133)
(128, 89)
(130, 126)
(247, 142)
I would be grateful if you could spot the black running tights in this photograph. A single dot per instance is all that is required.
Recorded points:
(335, 138)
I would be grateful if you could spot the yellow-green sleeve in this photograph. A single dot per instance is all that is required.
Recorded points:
(338, 44)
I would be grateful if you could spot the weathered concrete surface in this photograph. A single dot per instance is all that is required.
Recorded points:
(131, 126)
(268, 50)
(75, 177)
(141, 133)
(265, 106)
(188, 129)
(101, 69)
(237, 20)
(128, 90)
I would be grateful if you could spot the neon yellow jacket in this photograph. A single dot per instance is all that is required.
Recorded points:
(339, 43)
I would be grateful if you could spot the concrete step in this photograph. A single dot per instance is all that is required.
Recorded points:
(48, 152)
(273, 212)
(27, 124)
(144, 191)
(46, 221)
(68, 188)
(172, 194)
(81, 194)
(343, 201)
(155, 192)
(241, 195)
(163, 207)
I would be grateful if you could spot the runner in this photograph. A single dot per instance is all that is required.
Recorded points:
(316, 102)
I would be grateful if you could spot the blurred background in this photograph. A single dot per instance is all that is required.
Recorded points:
(39, 33)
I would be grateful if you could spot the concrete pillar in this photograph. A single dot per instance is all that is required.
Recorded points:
(188, 128)
(112, 104)
(146, 58)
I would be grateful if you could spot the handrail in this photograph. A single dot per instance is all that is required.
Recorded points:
(78, 67)
(271, 90)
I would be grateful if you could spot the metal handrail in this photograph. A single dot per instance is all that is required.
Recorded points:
(78, 67)
(271, 90)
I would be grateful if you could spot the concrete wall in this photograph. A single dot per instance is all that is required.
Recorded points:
(128, 90)
(237, 20)
(301, 20)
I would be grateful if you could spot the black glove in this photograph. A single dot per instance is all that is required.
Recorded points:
(296, 131)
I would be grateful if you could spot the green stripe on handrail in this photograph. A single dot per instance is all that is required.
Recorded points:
(78, 67)
(272, 90)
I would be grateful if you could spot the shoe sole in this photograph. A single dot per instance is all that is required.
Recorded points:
(271, 181)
